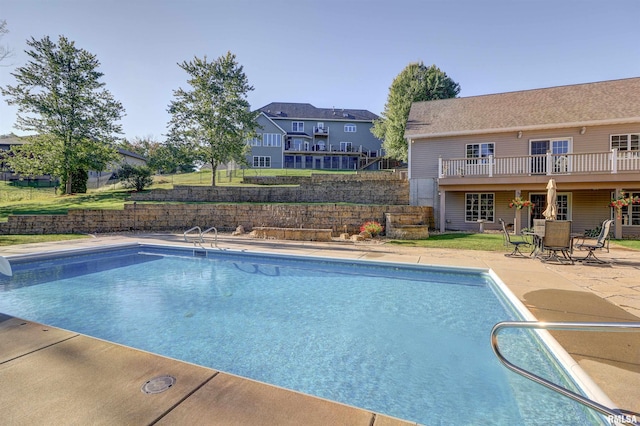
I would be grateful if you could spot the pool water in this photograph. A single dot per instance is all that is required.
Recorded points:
(407, 341)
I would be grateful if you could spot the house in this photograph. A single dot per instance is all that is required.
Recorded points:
(95, 179)
(469, 157)
(301, 136)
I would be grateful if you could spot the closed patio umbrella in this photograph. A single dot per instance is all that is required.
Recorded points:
(552, 209)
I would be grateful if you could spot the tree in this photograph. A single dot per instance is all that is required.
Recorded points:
(5, 51)
(162, 157)
(414, 84)
(213, 118)
(60, 98)
(137, 177)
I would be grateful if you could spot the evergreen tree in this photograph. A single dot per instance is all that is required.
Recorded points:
(415, 83)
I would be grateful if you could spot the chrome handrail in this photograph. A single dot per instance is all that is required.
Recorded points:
(215, 241)
(195, 228)
(620, 416)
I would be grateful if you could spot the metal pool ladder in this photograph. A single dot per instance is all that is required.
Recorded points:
(614, 415)
(199, 238)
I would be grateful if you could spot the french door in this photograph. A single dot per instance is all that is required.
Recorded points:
(557, 147)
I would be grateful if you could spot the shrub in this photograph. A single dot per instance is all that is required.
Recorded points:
(372, 227)
(137, 177)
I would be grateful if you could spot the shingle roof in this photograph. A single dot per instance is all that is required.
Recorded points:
(615, 101)
(307, 111)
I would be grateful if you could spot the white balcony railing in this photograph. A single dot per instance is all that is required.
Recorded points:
(613, 161)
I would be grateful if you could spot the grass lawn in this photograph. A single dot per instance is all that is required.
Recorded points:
(31, 200)
(44, 201)
(10, 240)
(463, 241)
(632, 244)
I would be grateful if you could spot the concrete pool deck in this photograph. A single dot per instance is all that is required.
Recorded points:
(56, 376)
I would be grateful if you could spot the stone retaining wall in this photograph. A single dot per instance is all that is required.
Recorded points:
(225, 217)
(298, 234)
(374, 188)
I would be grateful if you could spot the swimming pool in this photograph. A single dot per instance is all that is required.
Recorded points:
(408, 341)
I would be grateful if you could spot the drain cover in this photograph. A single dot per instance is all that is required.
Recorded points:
(158, 384)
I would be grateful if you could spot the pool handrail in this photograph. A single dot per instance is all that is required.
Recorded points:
(215, 239)
(195, 228)
(621, 416)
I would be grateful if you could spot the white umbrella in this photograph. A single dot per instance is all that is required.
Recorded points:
(552, 209)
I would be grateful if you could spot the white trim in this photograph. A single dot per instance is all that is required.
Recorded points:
(479, 218)
(273, 122)
(523, 128)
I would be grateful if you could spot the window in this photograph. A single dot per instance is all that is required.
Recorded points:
(261, 161)
(480, 150)
(630, 142)
(630, 213)
(345, 146)
(350, 128)
(558, 148)
(271, 139)
(297, 126)
(563, 204)
(254, 142)
(479, 206)
(298, 144)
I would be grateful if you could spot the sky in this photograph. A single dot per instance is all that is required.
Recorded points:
(329, 53)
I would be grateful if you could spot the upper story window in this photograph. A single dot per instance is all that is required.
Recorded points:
(254, 142)
(350, 128)
(629, 142)
(271, 139)
(297, 126)
(479, 150)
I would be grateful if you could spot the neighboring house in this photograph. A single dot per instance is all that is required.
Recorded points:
(6, 174)
(98, 179)
(301, 136)
(468, 157)
(95, 178)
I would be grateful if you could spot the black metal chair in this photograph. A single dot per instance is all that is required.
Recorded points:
(601, 242)
(508, 241)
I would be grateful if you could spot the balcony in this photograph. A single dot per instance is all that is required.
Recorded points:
(330, 149)
(320, 131)
(612, 162)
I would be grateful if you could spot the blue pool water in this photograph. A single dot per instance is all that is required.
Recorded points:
(407, 341)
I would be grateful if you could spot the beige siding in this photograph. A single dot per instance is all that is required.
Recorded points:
(425, 152)
(588, 210)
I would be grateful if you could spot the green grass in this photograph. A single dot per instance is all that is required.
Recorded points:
(460, 241)
(10, 240)
(632, 244)
(49, 203)
(232, 179)
(19, 199)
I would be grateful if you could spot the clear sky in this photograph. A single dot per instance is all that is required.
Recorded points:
(330, 53)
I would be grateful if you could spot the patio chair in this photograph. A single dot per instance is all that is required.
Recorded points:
(601, 242)
(557, 241)
(515, 243)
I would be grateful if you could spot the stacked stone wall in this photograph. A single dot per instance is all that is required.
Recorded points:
(226, 217)
(363, 188)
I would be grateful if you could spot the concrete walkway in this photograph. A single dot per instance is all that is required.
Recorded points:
(52, 375)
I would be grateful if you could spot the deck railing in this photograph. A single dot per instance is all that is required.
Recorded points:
(613, 161)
